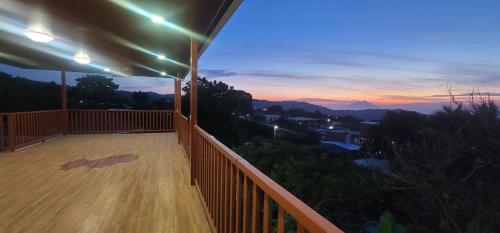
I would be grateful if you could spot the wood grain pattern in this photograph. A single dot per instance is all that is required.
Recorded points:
(150, 194)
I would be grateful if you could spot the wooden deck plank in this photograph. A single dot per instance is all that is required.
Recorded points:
(150, 194)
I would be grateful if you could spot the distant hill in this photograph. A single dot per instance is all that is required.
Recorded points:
(365, 114)
(360, 105)
(152, 95)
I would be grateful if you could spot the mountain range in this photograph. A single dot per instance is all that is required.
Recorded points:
(363, 114)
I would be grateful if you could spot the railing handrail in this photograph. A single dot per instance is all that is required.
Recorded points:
(32, 112)
(308, 217)
(118, 110)
(183, 117)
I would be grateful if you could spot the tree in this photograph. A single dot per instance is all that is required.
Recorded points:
(328, 182)
(19, 94)
(95, 91)
(141, 99)
(219, 109)
(396, 127)
(275, 109)
(446, 180)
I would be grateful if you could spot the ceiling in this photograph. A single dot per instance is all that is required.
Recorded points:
(118, 35)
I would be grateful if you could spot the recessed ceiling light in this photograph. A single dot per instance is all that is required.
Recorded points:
(157, 19)
(82, 58)
(161, 57)
(163, 74)
(106, 69)
(39, 34)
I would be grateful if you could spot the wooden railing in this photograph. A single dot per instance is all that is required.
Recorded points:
(111, 121)
(240, 198)
(3, 131)
(183, 129)
(26, 128)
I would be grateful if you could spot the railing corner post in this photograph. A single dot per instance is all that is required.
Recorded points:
(11, 132)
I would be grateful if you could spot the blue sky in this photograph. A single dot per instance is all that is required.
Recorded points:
(390, 53)
(337, 52)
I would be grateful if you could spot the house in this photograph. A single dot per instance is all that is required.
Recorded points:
(306, 121)
(343, 138)
(270, 118)
(381, 165)
(85, 170)
(369, 123)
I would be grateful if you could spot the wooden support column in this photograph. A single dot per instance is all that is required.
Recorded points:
(179, 83)
(177, 105)
(193, 119)
(64, 102)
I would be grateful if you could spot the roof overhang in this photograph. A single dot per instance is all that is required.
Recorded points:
(118, 35)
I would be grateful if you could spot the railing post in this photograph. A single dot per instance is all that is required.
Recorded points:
(2, 143)
(177, 104)
(11, 132)
(193, 105)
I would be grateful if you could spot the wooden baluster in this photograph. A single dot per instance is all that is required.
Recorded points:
(206, 172)
(231, 197)
(11, 140)
(221, 192)
(226, 190)
(255, 207)
(300, 228)
(203, 162)
(218, 193)
(245, 204)
(265, 218)
(237, 201)
(281, 220)
(28, 127)
(212, 183)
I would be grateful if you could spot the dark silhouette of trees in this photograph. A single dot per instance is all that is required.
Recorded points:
(446, 179)
(276, 110)
(397, 126)
(20, 94)
(327, 181)
(141, 99)
(219, 108)
(92, 91)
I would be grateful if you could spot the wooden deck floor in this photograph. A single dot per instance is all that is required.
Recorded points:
(148, 194)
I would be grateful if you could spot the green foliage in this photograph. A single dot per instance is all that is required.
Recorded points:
(446, 179)
(94, 91)
(387, 223)
(329, 183)
(19, 94)
(396, 126)
(276, 110)
(219, 109)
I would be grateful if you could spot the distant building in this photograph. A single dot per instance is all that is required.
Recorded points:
(271, 117)
(369, 123)
(343, 138)
(343, 145)
(373, 164)
(303, 120)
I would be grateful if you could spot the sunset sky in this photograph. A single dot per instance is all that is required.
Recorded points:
(333, 52)
(394, 54)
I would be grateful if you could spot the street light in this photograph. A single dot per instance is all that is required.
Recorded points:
(274, 132)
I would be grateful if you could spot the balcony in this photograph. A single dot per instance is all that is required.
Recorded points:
(74, 170)
(126, 171)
